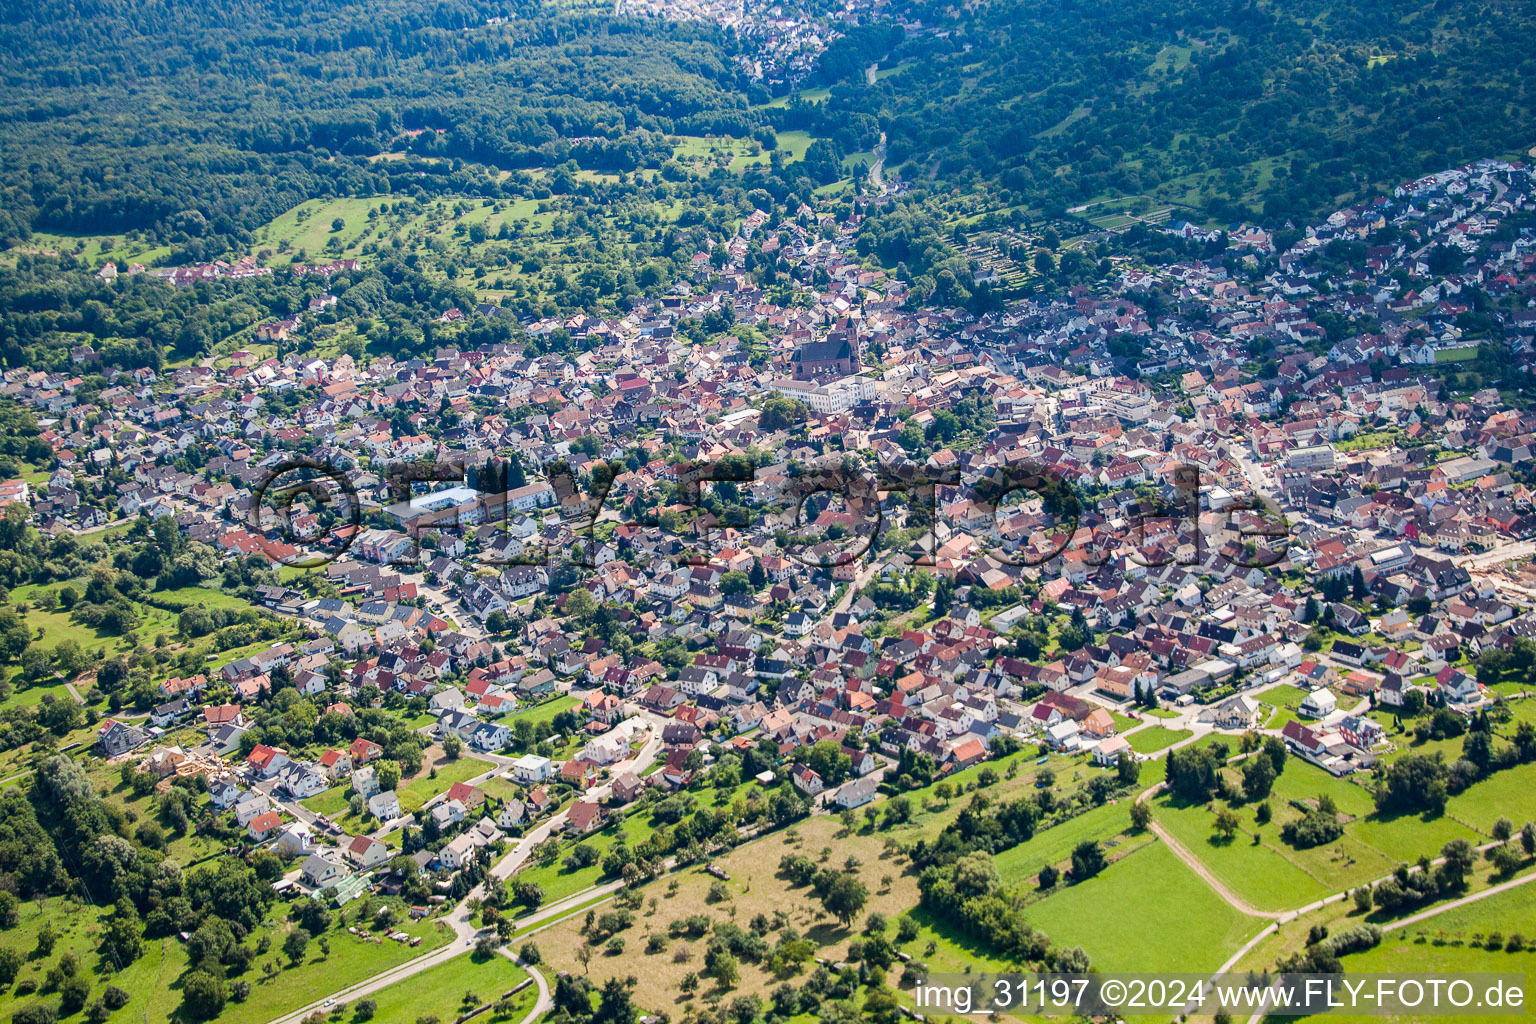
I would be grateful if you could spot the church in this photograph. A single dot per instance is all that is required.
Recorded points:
(836, 356)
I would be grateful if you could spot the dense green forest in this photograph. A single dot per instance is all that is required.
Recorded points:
(203, 122)
(196, 124)
(1291, 106)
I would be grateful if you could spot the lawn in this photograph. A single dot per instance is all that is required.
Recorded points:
(448, 989)
(1261, 875)
(1505, 794)
(424, 786)
(1151, 740)
(1450, 943)
(1115, 915)
(1284, 696)
(544, 712)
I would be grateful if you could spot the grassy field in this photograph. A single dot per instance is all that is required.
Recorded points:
(424, 786)
(1273, 875)
(1155, 738)
(96, 250)
(1284, 696)
(1505, 794)
(1454, 943)
(753, 889)
(449, 989)
(1054, 845)
(1261, 875)
(702, 153)
(546, 711)
(1149, 893)
(307, 227)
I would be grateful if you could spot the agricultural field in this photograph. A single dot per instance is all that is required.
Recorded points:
(1271, 874)
(754, 888)
(1153, 888)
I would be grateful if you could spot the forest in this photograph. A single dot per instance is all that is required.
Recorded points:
(1230, 108)
(195, 125)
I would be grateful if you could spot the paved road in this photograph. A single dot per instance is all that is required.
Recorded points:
(544, 1003)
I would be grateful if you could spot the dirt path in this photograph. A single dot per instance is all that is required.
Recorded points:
(1424, 915)
(1236, 902)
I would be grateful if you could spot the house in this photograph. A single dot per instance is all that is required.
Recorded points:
(468, 795)
(1361, 732)
(454, 855)
(249, 806)
(171, 711)
(1319, 703)
(966, 753)
(365, 782)
(321, 871)
(531, 769)
(1109, 752)
(1063, 735)
(579, 773)
(363, 751)
(336, 764)
(1240, 712)
(491, 736)
(1303, 740)
(295, 839)
(856, 793)
(264, 826)
(448, 812)
(223, 794)
(610, 749)
(1460, 688)
(511, 814)
(1099, 724)
(301, 779)
(583, 817)
(806, 780)
(367, 852)
(626, 788)
(266, 762)
(384, 806)
(115, 738)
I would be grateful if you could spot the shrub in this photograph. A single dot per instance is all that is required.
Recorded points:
(1315, 828)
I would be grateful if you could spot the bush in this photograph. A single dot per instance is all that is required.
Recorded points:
(115, 998)
(36, 1013)
(1315, 828)
(203, 994)
(364, 1009)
